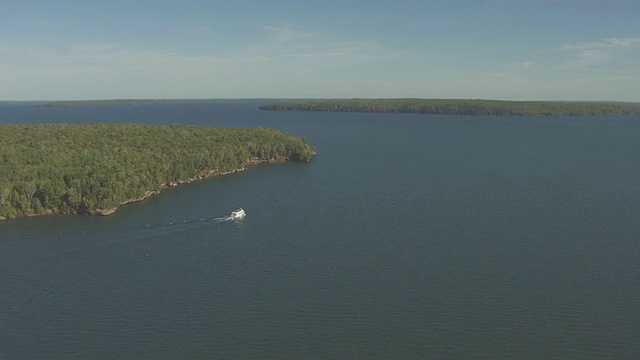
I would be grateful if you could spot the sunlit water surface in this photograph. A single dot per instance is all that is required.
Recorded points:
(406, 237)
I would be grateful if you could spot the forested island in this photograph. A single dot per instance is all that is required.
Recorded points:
(94, 168)
(462, 107)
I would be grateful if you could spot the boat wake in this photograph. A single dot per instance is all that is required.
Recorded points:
(235, 215)
(133, 231)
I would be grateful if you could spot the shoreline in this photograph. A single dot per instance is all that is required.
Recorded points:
(150, 193)
(471, 107)
(92, 168)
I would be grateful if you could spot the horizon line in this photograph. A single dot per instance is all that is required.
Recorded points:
(303, 98)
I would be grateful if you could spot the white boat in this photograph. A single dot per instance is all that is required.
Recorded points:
(237, 214)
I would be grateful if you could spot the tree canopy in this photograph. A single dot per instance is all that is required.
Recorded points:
(82, 168)
(462, 107)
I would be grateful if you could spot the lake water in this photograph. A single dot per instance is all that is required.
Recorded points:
(406, 237)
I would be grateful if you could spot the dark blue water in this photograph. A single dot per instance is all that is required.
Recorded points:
(406, 237)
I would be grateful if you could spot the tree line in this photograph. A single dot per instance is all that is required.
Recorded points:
(462, 107)
(81, 168)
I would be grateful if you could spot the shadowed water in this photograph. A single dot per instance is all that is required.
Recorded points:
(407, 236)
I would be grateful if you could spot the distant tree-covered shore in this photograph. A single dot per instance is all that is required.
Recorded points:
(95, 168)
(461, 107)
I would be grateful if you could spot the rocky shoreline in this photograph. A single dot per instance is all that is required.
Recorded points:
(150, 193)
(91, 168)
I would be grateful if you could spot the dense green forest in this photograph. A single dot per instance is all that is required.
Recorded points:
(462, 107)
(90, 168)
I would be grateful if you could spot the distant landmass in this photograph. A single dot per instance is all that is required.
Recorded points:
(112, 102)
(95, 168)
(462, 107)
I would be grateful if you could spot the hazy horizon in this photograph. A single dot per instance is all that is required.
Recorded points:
(296, 99)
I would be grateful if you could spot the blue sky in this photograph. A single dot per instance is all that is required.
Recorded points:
(487, 49)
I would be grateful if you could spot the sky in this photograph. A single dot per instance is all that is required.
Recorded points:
(472, 49)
